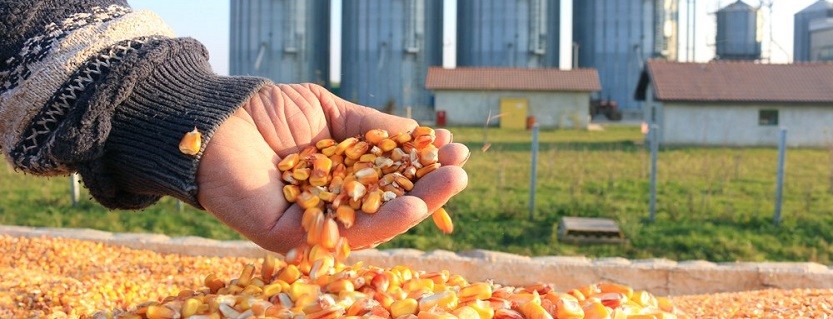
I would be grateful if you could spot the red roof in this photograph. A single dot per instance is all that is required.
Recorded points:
(513, 79)
(738, 82)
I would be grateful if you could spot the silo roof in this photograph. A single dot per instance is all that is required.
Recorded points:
(739, 5)
(818, 6)
(512, 79)
(738, 82)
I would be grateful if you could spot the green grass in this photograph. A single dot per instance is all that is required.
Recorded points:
(713, 203)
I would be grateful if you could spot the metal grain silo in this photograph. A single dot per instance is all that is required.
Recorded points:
(284, 40)
(387, 47)
(616, 37)
(738, 32)
(500, 33)
(801, 33)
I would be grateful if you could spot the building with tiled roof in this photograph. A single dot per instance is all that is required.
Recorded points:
(553, 97)
(738, 103)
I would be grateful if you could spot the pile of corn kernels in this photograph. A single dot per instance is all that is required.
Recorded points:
(63, 278)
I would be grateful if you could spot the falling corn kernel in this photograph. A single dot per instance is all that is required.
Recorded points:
(443, 221)
(191, 142)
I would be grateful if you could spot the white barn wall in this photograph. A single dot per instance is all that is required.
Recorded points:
(737, 124)
(551, 109)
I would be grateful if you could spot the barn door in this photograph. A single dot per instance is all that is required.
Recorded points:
(513, 113)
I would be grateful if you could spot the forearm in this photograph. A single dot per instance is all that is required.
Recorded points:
(94, 87)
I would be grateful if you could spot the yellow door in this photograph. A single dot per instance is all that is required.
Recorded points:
(513, 113)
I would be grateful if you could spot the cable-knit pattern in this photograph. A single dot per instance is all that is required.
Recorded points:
(37, 48)
(32, 154)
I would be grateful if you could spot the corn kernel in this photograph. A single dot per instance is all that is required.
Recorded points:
(191, 142)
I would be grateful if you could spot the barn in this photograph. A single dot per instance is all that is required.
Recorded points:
(554, 98)
(738, 103)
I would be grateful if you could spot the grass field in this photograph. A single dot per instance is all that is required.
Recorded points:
(713, 203)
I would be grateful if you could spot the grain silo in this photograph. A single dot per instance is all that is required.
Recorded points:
(801, 33)
(499, 33)
(387, 47)
(738, 33)
(821, 40)
(616, 37)
(286, 41)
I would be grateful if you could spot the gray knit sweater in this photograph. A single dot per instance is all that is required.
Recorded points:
(95, 87)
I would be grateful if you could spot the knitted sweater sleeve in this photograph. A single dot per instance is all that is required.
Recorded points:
(95, 87)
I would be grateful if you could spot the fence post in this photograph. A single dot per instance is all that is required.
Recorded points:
(654, 140)
(779, 184)
(74, 191)
(533, 177)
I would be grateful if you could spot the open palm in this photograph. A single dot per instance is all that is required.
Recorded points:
(240, 184)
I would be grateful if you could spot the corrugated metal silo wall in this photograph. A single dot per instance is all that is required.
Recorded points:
(508, 33)
(615, 37)
(801, 31)
(387, 47)
(284, 40)
(737, 33)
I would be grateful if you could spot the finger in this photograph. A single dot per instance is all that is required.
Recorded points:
(393, 218)
(443, 137)
(350, 119)
(436, 188)
(453, 154)
(285, 234)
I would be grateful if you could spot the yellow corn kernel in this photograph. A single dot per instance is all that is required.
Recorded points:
(342, 250)
(299, 289)
(345, 144)
(478, 290)
(291, 192)
(611, 299)
(444, 300)
(288, 162)
(289, 274)
(595, 310)
(645, 299)
(611, 287)
(368, 158)
(443, 221)
(310, 216)
(402, 138)
(398, 154)
(321, 267)
(327, 196)
(372, 202)
(329, 234)
(403, 182)
(466, 312)
(426, 169)
(246, 275)
(404, 307)
(307, 200)
(301, 173)
(325, 143)
(357, 150)
(316, 228)
(190, 307)
(483, 308)
(354, 190)
(387, 145)
(568, 308)
(346, 215)
(375, 136)
(213, 283)
(330, 152)
(532, 310)
(160, 312)
(428, 155)
(367, 176)
(271, 290)
(191, 142)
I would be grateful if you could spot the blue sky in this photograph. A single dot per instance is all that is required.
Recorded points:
(208, 22)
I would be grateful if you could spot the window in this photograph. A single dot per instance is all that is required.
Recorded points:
(768, 117)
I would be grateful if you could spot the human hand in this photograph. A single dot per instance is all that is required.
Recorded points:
(240, 184)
